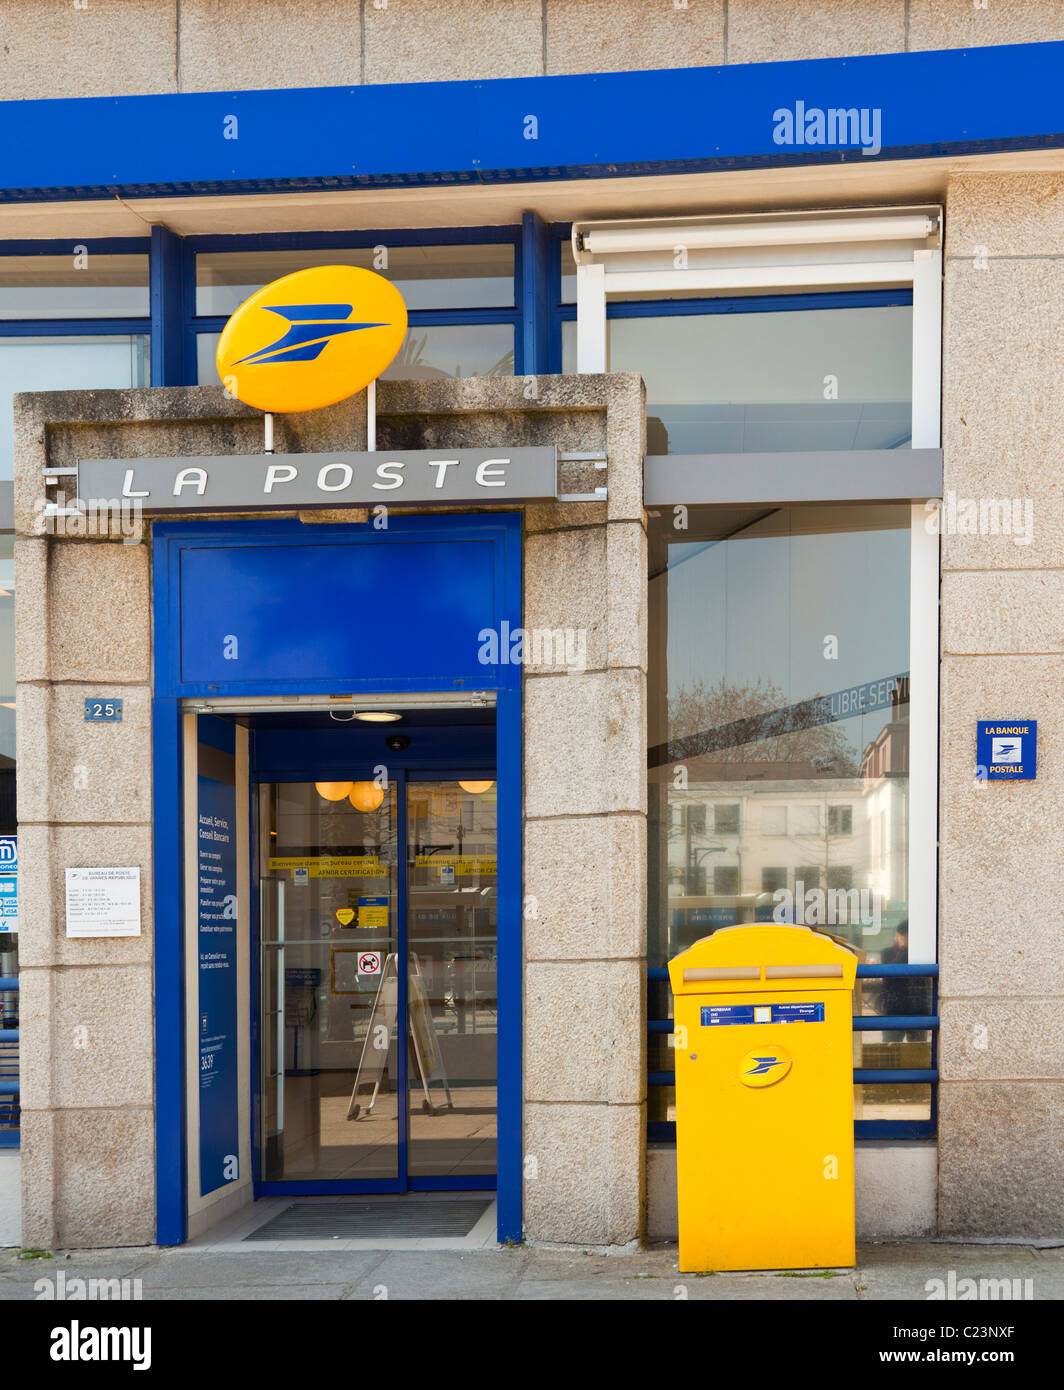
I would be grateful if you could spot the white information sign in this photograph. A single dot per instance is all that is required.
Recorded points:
(103, 902)
(369, 962)
(8, 883)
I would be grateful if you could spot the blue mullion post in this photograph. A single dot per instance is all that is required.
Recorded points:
(169, 366)
(170, 1167)
(535, 296)
(402, 972)
(510, 953)
(510, 1226)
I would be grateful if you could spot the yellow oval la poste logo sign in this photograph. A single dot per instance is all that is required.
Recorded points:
(764, 1066)
(312, 338)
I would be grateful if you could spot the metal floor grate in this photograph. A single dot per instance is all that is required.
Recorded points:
(388, 1218)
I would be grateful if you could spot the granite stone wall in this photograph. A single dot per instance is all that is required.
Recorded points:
(1001, 921)
(119, 47)
(83, 618)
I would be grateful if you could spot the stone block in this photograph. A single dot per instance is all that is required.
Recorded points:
(33, 768)
(626, 445)
(45, 855)
(108, 48)
(626, 594)
(760, 31)
(585, 1173)
(248, 45)
(100, 612)
(1005, 214)
(37, 1140)
(100, 772)
(565, 593)
(1003, 613)
(627, 35)
(999, 1158)
(935, 25)
(588, 881)
(1000, 1039)
(105, 1177)
(584, 1031)
(562, 516)
(1003, 415)
(998, 937)
(31, 608)
(36, 1038)
(103, 1036)
(585, 741)
(437, 41)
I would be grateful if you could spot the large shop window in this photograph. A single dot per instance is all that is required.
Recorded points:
(792, 761)
(9, 997)
(70, 319)
(801, 331)
(779, 721)
(7, 684)
(461, 299)
(766, 380)
(780, 703)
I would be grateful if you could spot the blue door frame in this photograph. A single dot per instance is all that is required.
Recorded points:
(499, 601)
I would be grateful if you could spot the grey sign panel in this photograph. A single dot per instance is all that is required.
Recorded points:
(824, 476)
(253, 482)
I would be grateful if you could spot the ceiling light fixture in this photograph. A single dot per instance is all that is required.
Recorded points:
(332, 791)
(365, 796)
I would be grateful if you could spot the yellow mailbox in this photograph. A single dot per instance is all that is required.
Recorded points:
(764, 1099)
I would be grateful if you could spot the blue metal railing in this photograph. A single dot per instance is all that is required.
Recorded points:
(868, 1076)
(9, 1079)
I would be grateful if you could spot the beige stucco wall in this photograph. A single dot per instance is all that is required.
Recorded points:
(83, 620)
(1001, 922)
(54, 48)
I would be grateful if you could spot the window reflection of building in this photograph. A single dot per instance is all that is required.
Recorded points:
(8, 821)
(8, 814)
(796, 797)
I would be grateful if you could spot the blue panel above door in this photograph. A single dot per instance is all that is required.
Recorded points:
(279, 607)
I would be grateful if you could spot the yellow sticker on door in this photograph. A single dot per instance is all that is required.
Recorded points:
(764, 1066)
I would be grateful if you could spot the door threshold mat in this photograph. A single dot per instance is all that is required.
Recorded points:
(380, 1218)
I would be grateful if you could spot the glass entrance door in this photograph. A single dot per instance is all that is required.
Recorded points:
(452, 938)
(377, 1014)
(329, 921)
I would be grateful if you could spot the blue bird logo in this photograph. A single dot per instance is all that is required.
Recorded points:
(764, 1064)
(311, 328)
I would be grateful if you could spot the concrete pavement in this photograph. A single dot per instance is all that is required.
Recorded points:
(897, 1270)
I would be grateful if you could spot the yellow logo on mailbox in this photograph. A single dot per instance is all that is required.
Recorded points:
(312, 338)
(764, 1066)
